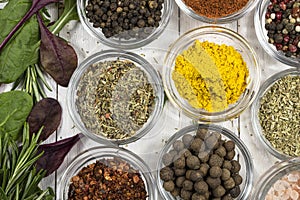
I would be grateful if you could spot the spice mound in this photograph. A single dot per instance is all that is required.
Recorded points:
(286, 188)
(210, 76)
(109, 179)
(202, 167)
(283, 26)
(115, 99)
(279, 115)
(126, 18)
(216, 8)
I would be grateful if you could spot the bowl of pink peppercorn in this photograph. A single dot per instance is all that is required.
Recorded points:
(278, 30)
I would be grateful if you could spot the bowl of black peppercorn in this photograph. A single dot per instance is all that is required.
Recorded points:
(278, 30)
(125, 24)
(204, 162)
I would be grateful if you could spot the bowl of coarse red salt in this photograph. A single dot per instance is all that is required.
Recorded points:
(281, 181)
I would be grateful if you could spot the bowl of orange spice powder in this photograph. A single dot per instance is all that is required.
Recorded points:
(211, 73)
(216, 11)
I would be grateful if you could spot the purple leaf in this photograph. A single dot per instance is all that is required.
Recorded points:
(57, 57)
(55, 153)
(47, 112)
(35, 7)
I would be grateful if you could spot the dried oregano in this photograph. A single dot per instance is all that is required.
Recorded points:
(115, 98)
(279, 115)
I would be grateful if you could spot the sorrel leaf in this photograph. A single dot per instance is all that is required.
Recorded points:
(69, 13)
(47, 114)
(22, 50)
(55, 153)
(14, 109)
(57, 57)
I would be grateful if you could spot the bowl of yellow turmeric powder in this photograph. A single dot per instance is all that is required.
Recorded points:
(211, 73)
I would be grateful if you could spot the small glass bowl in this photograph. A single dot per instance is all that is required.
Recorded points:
(118, 41)
(98, 153)
(242, 155)
(221, 20)
(113, 55)
(255, 109)
(218, 35)
(261, 33)
(275, 173)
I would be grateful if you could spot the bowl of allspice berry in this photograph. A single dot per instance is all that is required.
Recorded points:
(125, 24)
(204, 162)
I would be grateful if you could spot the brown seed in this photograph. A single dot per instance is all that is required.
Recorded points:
(215, 171)
(219, 191)
(193, 162)
(229, 145)
(169, 186)
(201, 187)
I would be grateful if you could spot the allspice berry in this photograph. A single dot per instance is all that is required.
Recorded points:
(229, 184)
(227, 164)
(213, 182)
(215, 160)
(166, 174)
(196, 145)
(215, 171)
(204, 167)
(186, 195)
(237, 179)
(227, 197)
(230, 155)
(225, 174)
(203, 156)
(218, 191)
(187, 140)
(167, 159)
(187, 185)
(196, 175)
(169, 185)
(221, 151)
(179, 172)
(236, 166)
(179, 163)
(212, 142)
(235, 192)
(201, 187)
(197, 196)
(175, 192)
(201, 133)
(229, 145)
(193, 162)
(179, 181)
(178, 145)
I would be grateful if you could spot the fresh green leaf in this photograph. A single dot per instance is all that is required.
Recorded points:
(69, 13)
(15, 106)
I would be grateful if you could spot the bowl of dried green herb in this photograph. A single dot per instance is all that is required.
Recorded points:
(211, 73)
(107, 173)
(204, 162)
(115, 96)
(276, 114)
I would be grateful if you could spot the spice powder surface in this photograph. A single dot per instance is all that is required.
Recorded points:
(216, 8)
(210, 76)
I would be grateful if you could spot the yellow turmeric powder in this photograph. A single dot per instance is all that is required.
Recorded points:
(210, 76)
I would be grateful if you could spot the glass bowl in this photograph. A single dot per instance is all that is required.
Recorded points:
(261, 33)
(217, 20)
(217, 35)
(139, 36)
(255, 114)
(126, 113)
(92, 155)
(242, 155)
(282, 177)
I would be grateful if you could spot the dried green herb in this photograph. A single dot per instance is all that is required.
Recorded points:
(115, 99)
(279, 115)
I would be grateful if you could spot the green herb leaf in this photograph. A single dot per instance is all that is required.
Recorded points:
(21, 51)
(3, 195)
(15, 106)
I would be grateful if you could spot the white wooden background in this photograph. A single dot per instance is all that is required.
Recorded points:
(171, 120)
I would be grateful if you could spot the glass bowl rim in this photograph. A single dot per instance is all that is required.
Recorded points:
(255, 106)
(263, 38)
(277, 171)
(205, 116)
(165, 19)
(144, 65)
(221, 20)
(225, 132)
(98, 152)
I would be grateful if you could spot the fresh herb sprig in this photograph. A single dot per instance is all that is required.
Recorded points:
(18, 177)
